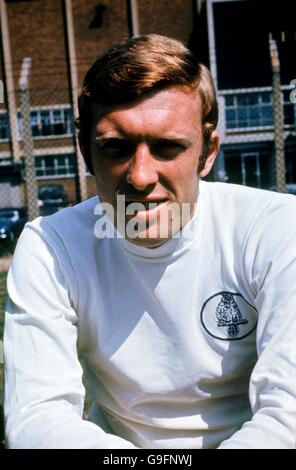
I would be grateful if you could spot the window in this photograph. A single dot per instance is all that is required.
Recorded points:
(4, 128)
(245, 110)
(51, 122)
(248, 110)
(55, 165)
(44, 123)
(250, 164)
(289, 109)
(59, 122)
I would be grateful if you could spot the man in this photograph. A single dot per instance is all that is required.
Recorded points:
(178, 295)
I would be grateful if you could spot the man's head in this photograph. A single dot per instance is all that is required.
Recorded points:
(147, 119)
(136, 67)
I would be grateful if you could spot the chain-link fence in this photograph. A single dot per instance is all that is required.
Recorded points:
(38, 162)
(38, 170)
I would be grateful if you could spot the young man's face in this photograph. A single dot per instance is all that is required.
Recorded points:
(149, 152)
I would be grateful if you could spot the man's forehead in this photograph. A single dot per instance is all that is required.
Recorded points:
(174, 103)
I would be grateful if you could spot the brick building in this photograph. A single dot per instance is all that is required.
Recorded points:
(40, 29)
(63, 37)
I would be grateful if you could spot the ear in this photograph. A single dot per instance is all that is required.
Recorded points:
(214, 148)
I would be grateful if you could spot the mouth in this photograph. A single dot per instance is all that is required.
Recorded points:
(144, 209)
(143, 205)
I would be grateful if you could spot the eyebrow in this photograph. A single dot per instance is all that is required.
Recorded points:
(179, 140)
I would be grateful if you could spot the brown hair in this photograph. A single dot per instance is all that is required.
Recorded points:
(137, 66)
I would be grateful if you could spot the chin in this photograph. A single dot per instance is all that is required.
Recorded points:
(146, 242)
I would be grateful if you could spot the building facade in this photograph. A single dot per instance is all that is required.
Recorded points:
(240, 60)
(63, 37)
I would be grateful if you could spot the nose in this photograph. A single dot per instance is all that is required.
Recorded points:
(142, 171)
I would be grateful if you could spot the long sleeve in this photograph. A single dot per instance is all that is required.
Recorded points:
(270, 263)
(44, 394)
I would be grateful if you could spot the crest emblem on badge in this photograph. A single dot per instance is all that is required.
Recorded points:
(228, 316)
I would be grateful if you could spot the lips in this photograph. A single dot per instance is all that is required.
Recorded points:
(147, 210)
(144, 204)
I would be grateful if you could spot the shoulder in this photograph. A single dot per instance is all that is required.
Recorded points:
(67, 234)
(71, 223)
(246, 203)
(237, 193)
(61, 242)
(249, 217)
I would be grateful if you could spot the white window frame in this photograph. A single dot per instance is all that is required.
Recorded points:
(68, 166)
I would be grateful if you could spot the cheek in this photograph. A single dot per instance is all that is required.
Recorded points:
(185, 168)
(184, 177)
(108, 176)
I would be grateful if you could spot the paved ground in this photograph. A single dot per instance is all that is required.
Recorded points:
(4, 263)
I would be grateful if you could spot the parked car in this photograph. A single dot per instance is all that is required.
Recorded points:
(12, 221)
(51, 197)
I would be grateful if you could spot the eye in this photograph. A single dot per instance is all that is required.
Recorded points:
(168, 149)
(115, 148)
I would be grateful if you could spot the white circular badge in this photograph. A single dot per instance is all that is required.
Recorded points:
(228, 316)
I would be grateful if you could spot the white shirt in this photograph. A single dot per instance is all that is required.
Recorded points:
(188, 345)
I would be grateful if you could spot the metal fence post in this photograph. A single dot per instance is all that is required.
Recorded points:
(7, 63)
(28, 148)
(74, 91)
(280, 167)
